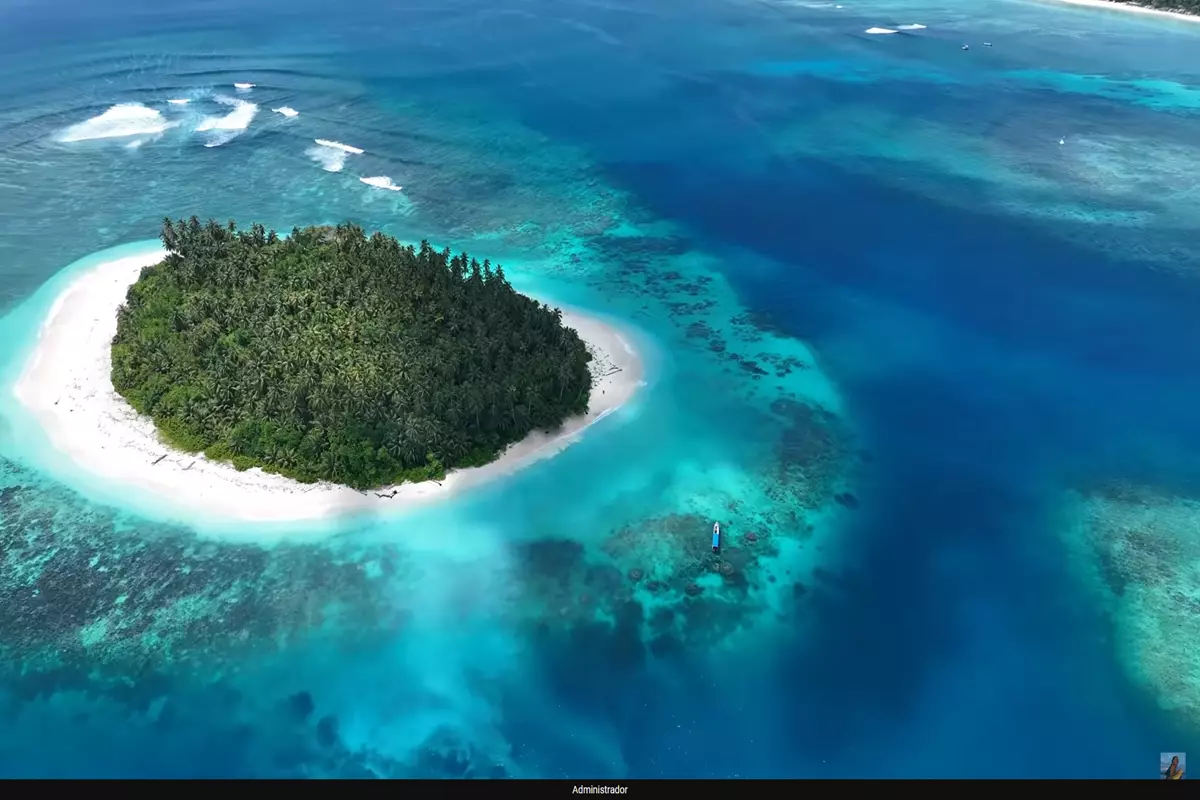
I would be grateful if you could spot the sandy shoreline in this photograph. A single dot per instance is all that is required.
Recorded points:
(66, 384)
(1114, 6)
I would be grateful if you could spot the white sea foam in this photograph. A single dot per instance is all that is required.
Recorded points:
(124, 119)
(331, 155)
(382, 182)
(242, 87)
(224, 128)
(875, 31)
(916, 26)
(287, 111)
(236, 120)
(330, 160)
(180, 101)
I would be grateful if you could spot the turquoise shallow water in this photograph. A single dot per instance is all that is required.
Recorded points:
(853, 264)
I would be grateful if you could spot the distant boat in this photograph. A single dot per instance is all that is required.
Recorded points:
(716, 537)
(966, 47)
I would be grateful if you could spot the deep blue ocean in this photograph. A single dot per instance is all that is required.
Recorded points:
(921, 318)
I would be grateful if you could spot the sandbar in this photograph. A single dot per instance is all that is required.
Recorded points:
(67, 385)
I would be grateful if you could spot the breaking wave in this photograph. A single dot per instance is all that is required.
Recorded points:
(916, 26)
(287, 111)
(382, 182)
(225, 128)
(122, 120)
(331, 155)
(339, 146)
(876, 31)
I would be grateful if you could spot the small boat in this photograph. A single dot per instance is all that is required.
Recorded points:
(716, 537)
(966, 47)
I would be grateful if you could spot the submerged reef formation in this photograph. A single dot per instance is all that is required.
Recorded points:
(151, 618)
(1139, 548)
(148, 619)
(1105, 189)
(81, 590)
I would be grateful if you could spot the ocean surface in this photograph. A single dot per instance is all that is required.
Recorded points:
(897, 301)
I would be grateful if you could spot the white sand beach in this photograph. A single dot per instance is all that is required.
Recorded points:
(67, 385)
(1114, 6)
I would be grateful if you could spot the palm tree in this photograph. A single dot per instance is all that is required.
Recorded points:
(346, 354)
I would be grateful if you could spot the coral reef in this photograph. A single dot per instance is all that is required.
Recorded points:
(105, 605)
(1140, 547)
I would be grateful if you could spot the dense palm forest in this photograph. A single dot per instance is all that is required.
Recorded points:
(1184, 6)
(330, 355)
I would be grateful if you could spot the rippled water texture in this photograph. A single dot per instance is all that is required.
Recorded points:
(919, 325)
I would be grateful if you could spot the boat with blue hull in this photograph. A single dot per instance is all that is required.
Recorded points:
(716, 537)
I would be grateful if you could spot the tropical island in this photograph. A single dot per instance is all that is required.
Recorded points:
(1179, 9)
(329, 355)
(1180, 6)
(238, 374)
